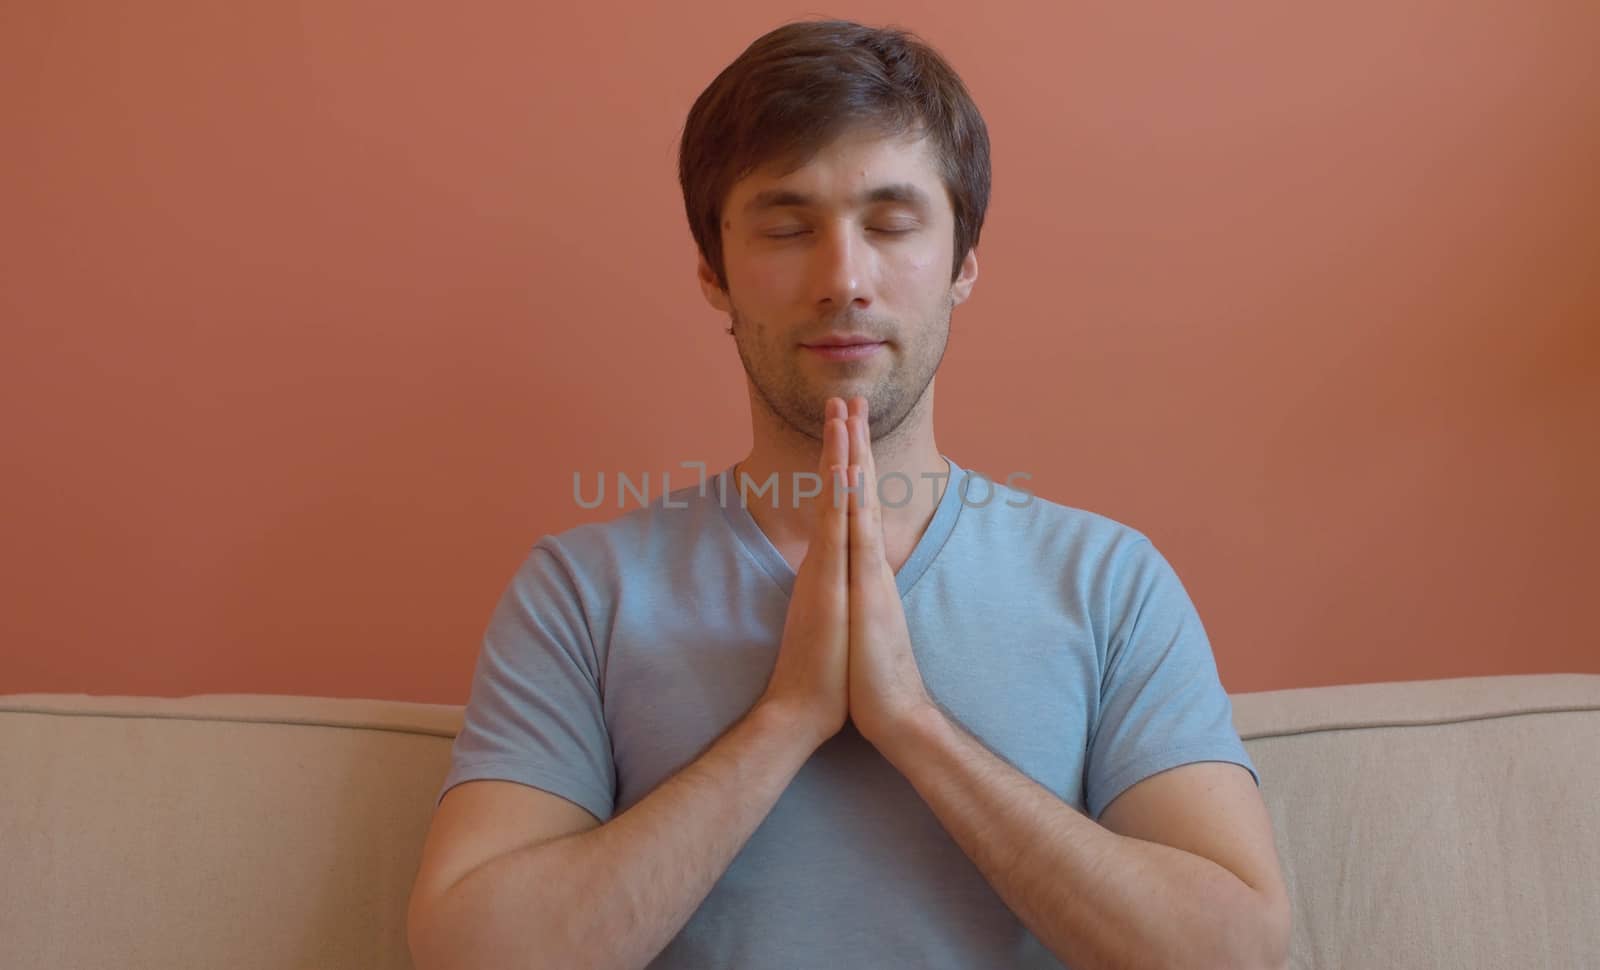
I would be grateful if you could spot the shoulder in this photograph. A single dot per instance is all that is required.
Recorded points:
(597, 555)
(1003, 513)
(1103, 567)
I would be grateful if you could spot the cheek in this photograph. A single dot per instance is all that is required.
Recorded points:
(926, 270)
(931, 257)
(768, 280)
(760, 281)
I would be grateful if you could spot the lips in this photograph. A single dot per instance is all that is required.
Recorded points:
(857, 351)
(843, 341)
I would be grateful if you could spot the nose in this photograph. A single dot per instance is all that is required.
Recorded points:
(841, 267)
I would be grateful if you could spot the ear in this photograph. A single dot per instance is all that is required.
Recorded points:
(962, 287)
(714, 294)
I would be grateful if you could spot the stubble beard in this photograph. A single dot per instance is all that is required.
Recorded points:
(774, 371)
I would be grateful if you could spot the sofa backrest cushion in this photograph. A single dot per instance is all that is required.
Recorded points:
(1421, 824)
(1444, 823)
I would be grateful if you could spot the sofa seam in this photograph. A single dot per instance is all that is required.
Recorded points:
(1431, 722)
(450, 735)
(144, 715)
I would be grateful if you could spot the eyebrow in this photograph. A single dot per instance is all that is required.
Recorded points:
(902, 192)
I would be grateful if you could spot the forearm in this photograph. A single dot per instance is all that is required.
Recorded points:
(615, 895)
(1098, 900)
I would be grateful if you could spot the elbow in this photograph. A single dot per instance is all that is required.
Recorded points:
(1256, 937)
(425, 954)
(442, 933)
(1273, 933)
(434, 943)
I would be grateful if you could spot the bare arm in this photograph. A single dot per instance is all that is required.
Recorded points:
(1097, 898)
(616, 895)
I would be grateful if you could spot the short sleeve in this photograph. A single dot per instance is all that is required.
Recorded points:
(534, 713)
(1161, 702)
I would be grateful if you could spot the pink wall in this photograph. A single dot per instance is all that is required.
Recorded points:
(310, 312)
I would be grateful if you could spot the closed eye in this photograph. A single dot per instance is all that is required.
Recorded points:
(877, 229)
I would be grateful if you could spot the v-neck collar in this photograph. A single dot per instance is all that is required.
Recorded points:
(726, 494)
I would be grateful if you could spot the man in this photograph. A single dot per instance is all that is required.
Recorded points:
(766, 723)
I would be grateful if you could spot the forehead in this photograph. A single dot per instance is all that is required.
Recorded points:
(857, 169)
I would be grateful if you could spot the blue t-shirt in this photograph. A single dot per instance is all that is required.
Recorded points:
(1059, 638)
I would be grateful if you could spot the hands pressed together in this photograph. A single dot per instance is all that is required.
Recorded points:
(846, 651)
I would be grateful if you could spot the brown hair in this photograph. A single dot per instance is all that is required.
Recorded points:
(797, 88)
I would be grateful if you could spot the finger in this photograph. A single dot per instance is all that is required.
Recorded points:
(861, 438)
(856, 414)
(834, 534)
(837, 408)
(836, 451)
(867, 507)
(832, 529)
(835, 447)
(864, 456)
(866, 542)
(825, 459)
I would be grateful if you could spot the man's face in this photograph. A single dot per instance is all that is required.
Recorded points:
(857, 243)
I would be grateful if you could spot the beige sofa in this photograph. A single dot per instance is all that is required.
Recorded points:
(1447, 823)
